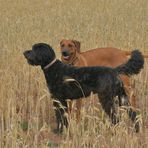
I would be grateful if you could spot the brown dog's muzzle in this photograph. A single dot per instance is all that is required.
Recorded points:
(66, 54)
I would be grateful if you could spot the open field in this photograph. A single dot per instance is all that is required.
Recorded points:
(26, 112)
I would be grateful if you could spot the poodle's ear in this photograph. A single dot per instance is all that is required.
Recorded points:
(77, 44)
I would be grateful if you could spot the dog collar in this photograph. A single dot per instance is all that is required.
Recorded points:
(74, 61)
(50, 64)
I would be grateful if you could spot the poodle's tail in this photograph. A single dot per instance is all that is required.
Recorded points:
(128, 53)
(133, 65)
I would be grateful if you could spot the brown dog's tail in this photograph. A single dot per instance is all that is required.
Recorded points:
(133, 65)
(128, 53)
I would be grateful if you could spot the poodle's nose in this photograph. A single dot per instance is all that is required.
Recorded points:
(26, 53)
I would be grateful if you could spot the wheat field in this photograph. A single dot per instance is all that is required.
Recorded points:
(26, 111)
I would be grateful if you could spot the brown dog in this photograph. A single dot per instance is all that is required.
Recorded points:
(111, 57)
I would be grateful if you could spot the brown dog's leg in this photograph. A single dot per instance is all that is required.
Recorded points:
(78, 109)
(69, 106)
(129, 90)
(133, 100)
(132, 97)
(78, 112)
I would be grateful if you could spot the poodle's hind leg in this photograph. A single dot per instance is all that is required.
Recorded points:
(109, 106)
(124, 101)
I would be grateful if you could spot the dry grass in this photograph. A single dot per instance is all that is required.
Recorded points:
(26, 113)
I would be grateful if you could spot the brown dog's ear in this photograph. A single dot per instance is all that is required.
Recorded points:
(62, 41)
(77, 44)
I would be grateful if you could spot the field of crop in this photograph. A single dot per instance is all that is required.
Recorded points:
(26, 111)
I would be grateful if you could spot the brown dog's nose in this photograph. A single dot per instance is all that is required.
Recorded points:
(65, 53)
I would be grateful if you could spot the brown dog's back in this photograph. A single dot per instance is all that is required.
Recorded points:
(111, 57)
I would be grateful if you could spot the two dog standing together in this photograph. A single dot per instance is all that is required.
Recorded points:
(107, 82)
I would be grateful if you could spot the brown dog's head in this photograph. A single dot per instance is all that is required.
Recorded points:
(69, 48)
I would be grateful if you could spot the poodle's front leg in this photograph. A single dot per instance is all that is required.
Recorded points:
(60, 111)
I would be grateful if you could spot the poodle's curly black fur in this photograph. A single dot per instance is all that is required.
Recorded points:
(68, 82)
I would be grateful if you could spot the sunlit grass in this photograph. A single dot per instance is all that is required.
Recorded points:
(26, 111)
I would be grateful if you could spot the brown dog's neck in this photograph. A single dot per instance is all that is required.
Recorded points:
(74, 60)
(78, 57)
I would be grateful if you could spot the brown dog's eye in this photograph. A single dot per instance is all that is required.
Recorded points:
(62, 45)
(69, 45)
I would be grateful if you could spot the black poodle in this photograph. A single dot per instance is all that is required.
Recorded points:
(69, 82)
